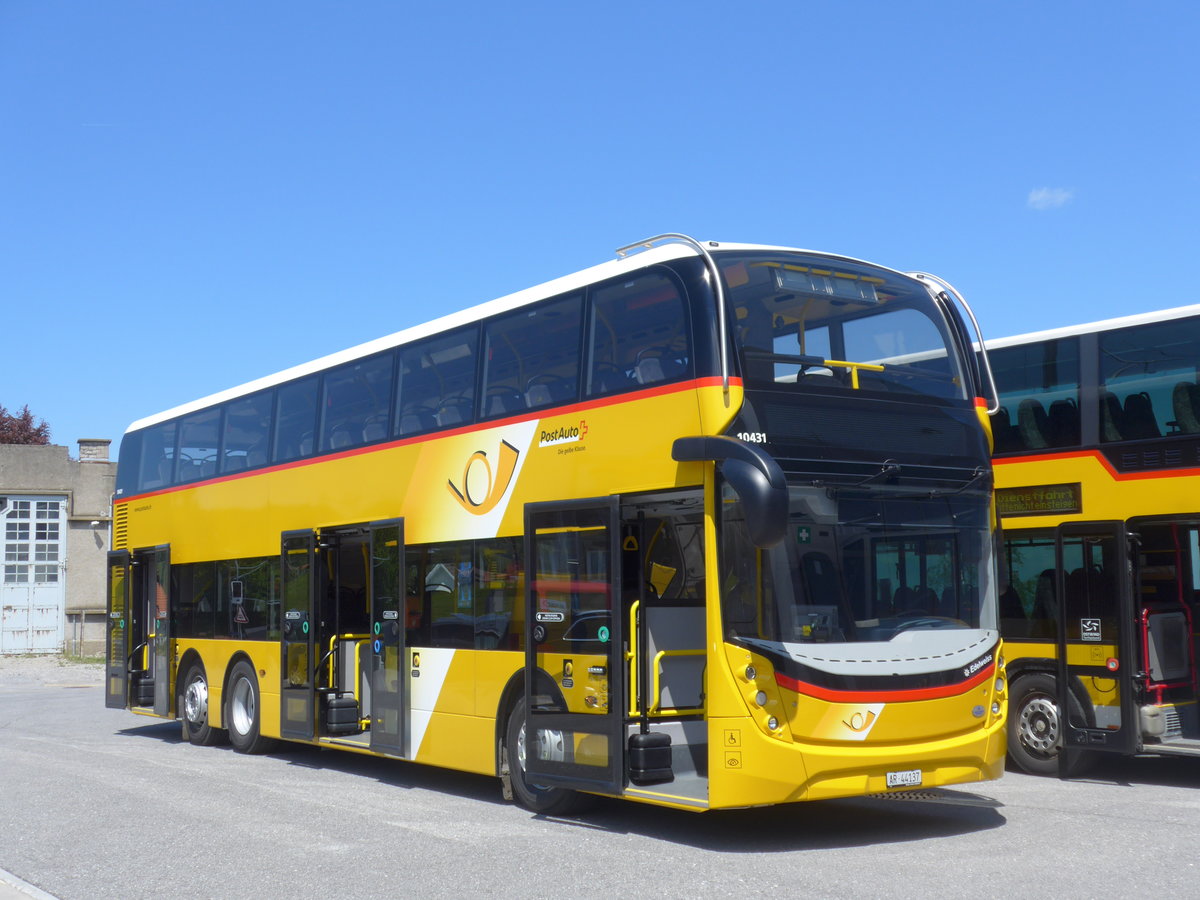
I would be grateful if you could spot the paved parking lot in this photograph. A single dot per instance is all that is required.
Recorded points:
(99, 803)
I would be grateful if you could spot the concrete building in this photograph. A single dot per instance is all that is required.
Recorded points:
(56, 518)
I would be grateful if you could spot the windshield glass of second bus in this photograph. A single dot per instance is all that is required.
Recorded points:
(859, 568)
(815, 322)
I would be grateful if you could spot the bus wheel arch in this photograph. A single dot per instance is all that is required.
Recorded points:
(544, 800)
(192, 700)
(243, 708)
(1035, 723)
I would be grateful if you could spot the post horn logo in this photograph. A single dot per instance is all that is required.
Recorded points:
(482, 488)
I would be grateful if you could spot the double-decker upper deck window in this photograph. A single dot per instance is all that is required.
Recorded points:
(639, 334)
(295, 419)
(199, 444)
(157, 464)
(357, 402)
(531, 358)
(437, 382)
(1148, 381)
(247, 432)
(812, 322)
(1039, 395)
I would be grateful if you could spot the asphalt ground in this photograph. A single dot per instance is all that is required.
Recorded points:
(98, 803)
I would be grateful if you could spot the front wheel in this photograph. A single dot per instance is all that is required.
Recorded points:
(1035, 726)
(192, 704)
(551, 801)
(243, 711)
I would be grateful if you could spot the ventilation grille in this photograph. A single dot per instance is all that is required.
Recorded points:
(121, 527)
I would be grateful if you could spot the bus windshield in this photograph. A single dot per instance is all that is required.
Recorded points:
(816, 322)
(859, 567)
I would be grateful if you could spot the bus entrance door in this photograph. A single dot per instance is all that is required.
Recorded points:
(297, 689)
(1096, 658)
(574, 666)
(388, 610)
(117, 647)
(139, 652)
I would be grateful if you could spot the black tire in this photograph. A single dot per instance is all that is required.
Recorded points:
(192, 705)
(1035, 726)
(243, 711)
(550, 801)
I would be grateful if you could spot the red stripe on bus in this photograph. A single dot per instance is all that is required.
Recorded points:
(885, 696)
(553, 412)
(1100, 458)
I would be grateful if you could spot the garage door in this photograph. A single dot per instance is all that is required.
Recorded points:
(33, 590)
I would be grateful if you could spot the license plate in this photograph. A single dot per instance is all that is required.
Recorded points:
(909, 778)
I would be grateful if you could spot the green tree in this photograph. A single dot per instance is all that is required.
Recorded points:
(21, 429)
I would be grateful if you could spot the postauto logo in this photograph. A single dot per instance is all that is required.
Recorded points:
(482, 487)
(563, 434)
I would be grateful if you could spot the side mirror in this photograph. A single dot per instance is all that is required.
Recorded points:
(753, 474)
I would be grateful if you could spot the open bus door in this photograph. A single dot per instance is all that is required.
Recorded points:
(388, 620)
(574, 645)
(297, 688)
(1096, 659)
(116, 665)
(139, 655)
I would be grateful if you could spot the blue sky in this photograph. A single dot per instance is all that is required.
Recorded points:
(193, 195)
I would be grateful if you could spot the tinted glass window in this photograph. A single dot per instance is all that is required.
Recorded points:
(639, 334)
(199, 443)
(158, 457)
(441, 590)
(295, 420)
(1028, 606)
(498, 595)
(1148, 381)
(532, 358)
(233, 598)
(357, 400)
(437, 382)
(832, 324)
(247, 432)
(1039, 395)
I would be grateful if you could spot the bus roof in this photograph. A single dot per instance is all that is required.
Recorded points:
(1162, 315)
(601, 272)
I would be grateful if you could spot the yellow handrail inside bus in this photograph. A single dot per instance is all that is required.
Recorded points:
(333, 646)
(366, 720)
(631, 658)
(853, 367)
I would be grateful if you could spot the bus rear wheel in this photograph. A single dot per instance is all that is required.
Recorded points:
(243, 713)
(1035, 726)
(192, 704)
(550, 801)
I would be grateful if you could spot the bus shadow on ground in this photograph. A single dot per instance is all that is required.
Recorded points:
(1181, 772)
(818, 825)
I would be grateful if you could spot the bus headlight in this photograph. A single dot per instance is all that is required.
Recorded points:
(761, 698)
(751, 673)
(995, 708)
(772, 723)
(999, 685)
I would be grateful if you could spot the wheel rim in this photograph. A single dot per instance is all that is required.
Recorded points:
(552, 746)
(241, 706)
(195, 701)
(1038, 725)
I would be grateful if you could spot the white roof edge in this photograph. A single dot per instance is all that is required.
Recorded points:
(1162, 315)
(573, 281)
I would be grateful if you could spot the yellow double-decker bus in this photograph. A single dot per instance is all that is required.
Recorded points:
(1097, 469)
(708, 525)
